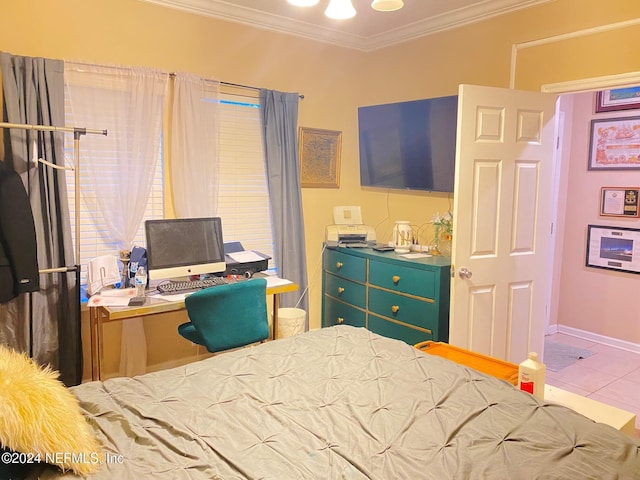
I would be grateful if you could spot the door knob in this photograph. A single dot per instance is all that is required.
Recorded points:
(464, 273)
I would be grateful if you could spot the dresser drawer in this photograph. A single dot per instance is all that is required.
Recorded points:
(345, 290)
(399, 278)
(343, 265)
(403, 309)
(399, 332)
(338, 313)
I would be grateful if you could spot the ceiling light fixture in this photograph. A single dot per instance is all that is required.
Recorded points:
(343, 9)
(387, 5)
(340, 9)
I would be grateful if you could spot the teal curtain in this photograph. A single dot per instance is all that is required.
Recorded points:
(33, 90)
(280, 132)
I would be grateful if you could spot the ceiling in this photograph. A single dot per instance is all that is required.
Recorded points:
(368, 30)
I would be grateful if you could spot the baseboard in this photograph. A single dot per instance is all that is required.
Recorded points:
(594, 337)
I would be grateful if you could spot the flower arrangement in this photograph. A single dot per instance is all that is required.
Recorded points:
(443, 223)
(444, 230)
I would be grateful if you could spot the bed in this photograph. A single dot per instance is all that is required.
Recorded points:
(340, 403)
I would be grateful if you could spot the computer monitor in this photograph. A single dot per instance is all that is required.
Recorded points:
(184, 247)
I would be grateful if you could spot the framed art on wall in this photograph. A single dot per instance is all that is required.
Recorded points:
(617, 99)
(319, 152)
(619, 201)
(613, 248)
(615, 144)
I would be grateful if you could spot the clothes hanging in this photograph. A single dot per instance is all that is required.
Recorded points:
(18, 252)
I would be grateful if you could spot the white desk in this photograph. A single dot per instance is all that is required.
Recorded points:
(103, 314)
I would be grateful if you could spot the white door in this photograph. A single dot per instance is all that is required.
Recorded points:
(501, 219)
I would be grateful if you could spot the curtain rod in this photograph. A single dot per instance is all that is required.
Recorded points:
(172, 74)
(300, 95)
(240, 85)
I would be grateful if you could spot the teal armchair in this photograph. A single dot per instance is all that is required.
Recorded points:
(227, 316)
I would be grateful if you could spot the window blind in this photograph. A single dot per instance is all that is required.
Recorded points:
(243, 198)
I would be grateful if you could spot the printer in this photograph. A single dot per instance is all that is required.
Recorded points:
(348, 229)
(350, 235)
(244, 263)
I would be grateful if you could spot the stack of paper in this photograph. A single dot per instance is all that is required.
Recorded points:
(116, 297)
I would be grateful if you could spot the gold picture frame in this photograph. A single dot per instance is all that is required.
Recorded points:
(619, 202)
(319, 152)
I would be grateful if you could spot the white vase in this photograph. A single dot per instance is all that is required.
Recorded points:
(402, 236)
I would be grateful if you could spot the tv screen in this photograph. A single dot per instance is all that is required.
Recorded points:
(409, 145)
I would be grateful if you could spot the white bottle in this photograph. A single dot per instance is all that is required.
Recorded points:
(531, 376)
(140, 281)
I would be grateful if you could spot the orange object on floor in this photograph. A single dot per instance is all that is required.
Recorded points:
(483, 363)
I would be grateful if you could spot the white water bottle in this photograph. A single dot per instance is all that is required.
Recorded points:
(140, 281)
(531, 376)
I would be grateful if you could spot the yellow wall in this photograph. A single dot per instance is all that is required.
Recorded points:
(335, 81)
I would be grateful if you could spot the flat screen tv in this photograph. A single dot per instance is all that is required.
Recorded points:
(409, 145)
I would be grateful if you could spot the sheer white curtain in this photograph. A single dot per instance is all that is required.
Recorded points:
(194, 146)
(117, 169)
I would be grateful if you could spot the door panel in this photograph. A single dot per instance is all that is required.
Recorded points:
(524, 219)
(482, 300)
(519, 317)
(485, 201)
(502, 212)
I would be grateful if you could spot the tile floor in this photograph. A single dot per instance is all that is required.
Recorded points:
(610, 376)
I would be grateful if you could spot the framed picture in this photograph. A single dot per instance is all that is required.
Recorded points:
(619, 201)
(618, 99)
(615, 144)
(319, 152)
(613, 248)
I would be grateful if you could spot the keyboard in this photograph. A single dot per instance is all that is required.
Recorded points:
(183, 286)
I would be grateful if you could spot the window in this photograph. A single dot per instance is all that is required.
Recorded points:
(243, 195)
(243, 201)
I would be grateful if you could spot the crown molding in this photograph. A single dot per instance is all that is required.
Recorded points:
(449, 21)
(628, 79)
(259, 19)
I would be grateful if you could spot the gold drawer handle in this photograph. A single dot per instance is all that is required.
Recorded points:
(395, 279)
(340, 290)
(395, 308)
(340, 320)
(339, 265)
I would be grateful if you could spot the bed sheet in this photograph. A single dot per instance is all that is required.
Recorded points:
(341, 403)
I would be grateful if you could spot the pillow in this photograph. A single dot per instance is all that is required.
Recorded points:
(40, 417)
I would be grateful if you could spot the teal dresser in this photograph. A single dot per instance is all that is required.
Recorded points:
(406, 299)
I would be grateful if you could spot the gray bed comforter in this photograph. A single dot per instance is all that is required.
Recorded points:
(342, 403)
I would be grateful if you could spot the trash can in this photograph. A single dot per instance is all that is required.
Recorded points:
(290, 322)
